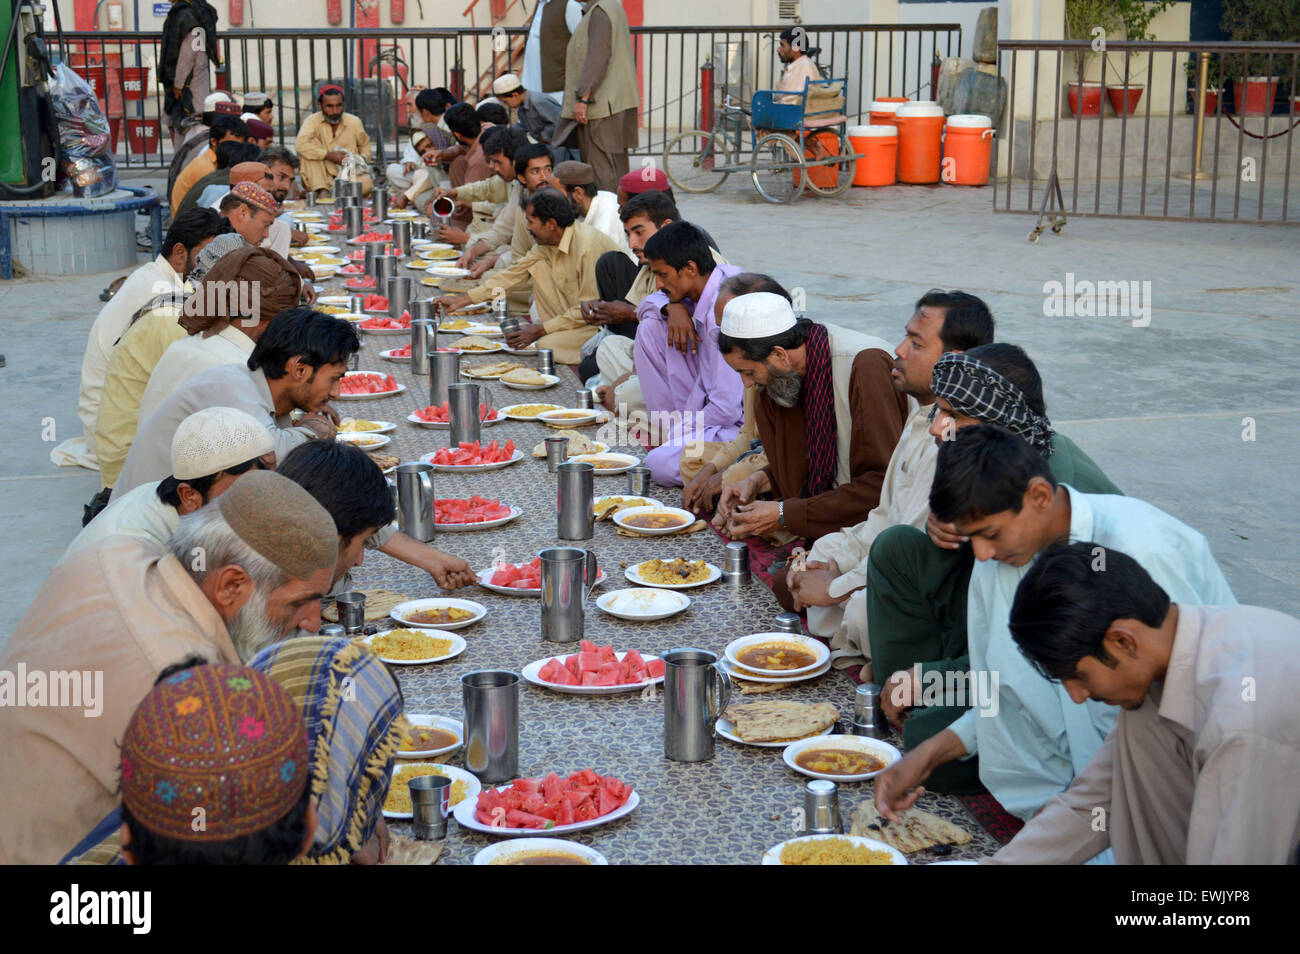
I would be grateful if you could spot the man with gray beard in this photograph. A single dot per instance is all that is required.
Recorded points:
(244, 571)
(828, 415)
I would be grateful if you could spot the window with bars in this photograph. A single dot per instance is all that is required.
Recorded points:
(789, 10)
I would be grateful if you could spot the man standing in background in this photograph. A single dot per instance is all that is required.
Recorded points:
(189, 40)
(553, 23)
(600, 92)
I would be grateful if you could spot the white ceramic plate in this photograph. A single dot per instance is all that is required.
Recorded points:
(878, 748)
(464, 813)
(600, 449)
(510, 410)
(427, 721)
(496, 347)
(502, 851)
(621, 518)
(472, 785)
(650, 501)
(358, 289)
(401, 611)
(633, 576)
(485, 581)
(384, 332)
(370, 397)
(416, 264)
(727, 730)
(465, 373)
(483, 525)
(643, 604)
(368, 442)
(523, 352)
(446, 271)
(532, 673)
(472, 328)
(737, 673)
(625, 463)
(551, 381)
(385, 427)
(473, 468)
(773, 855)
(332, 300)
(323, 273)
(569, 416)
(401, 215)
(320, 249)
(445, 425)
(457, 647)
(820, 653)
(390, 355)
(358, 241)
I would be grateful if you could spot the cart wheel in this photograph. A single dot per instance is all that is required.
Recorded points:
(1033, 236)
(844, 167)
(777, 168)
(698, 161)
(1056, 229)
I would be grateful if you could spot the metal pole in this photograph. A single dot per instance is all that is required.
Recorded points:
(1202, 78)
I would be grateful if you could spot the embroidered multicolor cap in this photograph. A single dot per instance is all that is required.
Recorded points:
(257, 197)
(213, 753)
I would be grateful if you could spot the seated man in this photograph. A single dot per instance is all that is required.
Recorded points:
(420, 182)
(640, 181)
(592, 206)
(326, 139)
(296, 364)
(284, 172)
(470, 165)
(562, 267)
(832, 586)
(251, 211)
(241, 573)
(500, 144)
(259, 133)
(350, 485)
(222, 129)
(827, 412)
(230, 154)
(532, 168)
(916, 591)
(623, 286)
(252, 170)
(152, 331)
(1198, 771)
(1031, 738)
(537, 113)
(242, 293)
(257, 806)
(694, 397)
(210, 450)
(166, 275)
(800, 68)
(400, 174)
(258, 105)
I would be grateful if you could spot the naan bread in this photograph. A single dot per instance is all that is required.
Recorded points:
(771, 720)
(474, 343)
(378, 605)
(492, 370)
(525, 376)
(578, 444)
(919, 830)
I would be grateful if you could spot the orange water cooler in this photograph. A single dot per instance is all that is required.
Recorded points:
(881, 111)
(967, 149)
(878, 146)
(920, 142)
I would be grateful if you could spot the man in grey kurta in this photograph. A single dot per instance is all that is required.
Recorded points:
(1203, 765)
(600, 92)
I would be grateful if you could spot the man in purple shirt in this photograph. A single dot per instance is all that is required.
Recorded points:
(694, 396)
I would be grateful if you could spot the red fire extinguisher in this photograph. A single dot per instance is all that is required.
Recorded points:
(334, 11)
(236, 12)
(398, 11)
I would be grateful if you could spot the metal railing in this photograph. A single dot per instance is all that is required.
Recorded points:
(1141, 142)
(677, 88)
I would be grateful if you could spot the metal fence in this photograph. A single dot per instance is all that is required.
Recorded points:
(680, 70)
(1134, 144)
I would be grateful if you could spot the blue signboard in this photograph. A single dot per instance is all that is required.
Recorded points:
(160, 9)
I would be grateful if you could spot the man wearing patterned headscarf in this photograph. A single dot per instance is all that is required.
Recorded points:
(224, 318)
(917, 581)
(152, 331)
(241, 573)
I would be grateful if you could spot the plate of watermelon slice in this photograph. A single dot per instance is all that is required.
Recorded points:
(471, 457)
(596, 671)
(522, 580)
(548, 806)
(476, 513)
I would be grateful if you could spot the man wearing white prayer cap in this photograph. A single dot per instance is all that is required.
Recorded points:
(827, 412)
(210, 450)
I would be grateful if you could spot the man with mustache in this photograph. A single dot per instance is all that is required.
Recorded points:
(325, 140)
(243, 572)
(827, 412)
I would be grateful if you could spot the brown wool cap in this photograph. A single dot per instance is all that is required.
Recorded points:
(282, 522)
(571, 172)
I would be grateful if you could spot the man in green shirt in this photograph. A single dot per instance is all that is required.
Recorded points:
(917, 582)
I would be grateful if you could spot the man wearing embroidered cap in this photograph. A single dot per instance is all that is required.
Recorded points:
(258, 106)
(828, 414)
(241, 573)
(210, 450)
(326, 139)
(250, 210)
(231, 741)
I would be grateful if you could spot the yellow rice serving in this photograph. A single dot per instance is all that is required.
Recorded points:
(673, 571)
(833, 851)
(399, 795)
(409, 644)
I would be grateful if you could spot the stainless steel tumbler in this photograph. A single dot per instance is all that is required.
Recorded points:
(576, 491)
(696, 692)
(568, 576)
(491, 698)
(415, 514)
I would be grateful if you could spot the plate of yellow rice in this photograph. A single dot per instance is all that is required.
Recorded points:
(833, 850)
(398, 802)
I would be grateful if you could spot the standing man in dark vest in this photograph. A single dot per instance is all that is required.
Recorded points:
(600, 92)
(189, 41)
(549, 30)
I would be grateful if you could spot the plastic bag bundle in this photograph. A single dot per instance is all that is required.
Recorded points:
(85, 146)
